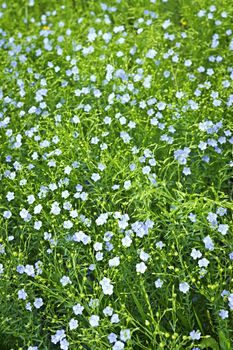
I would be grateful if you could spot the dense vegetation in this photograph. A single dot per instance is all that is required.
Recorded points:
(116, 174)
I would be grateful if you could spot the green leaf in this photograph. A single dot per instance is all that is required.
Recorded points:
(198, 321)
(225, 343)
(209, 343)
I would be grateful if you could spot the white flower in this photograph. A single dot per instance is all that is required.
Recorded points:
(65, 280)
(38, 303)
(37, 225)
(73, 324)
(38, 209)
(101, 166)
(151, 53)
(67, 170)
(31, 199)
(81, 237)
(160, 244)
(94, 320)
(144, 256)
(230, 301)
(141, 267)
(64, 344)
(108, 311)
(83, 196)
(102, 219)
(166, 24)
(78, 309)
(127, 184)
(212, 218)
(184, 287)
(114, 261)
(125, 136)
(195, 335)
(186, 171)
(60, 334)
(28, 306)
(94, 303)
(203, 262)
(146, 169)
(106, 285)
(125, 334)
(158, 283)
(196, 254)
(99, 256)
(112, 337)
(126, 241)
(223, 314)
(10, 196)
(29, 270)
(95, 177)
(94, 140)
(98, 246)
(74, 213)
(55, 210)
(123, 223)
(31, 3)
(161, 106)
(25, 214)
(118, 345)
(115, 318)
(223, 228)
(7, 214)
(22, 294)
(209, 244)
(65, 194)
(68, 224)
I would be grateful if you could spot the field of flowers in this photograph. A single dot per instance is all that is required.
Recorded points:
(116, 127)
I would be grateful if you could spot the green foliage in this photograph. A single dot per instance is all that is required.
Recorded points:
(160, 170)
